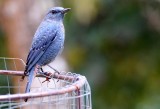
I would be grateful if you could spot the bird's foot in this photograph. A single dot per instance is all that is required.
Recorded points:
(48, 76)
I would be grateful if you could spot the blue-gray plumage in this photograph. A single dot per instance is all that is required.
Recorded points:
(47, 43)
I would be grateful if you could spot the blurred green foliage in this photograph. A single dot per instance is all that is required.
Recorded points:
(3, 53)
(3, 48)
(118, 50)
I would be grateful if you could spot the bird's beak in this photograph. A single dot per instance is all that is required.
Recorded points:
(66, 10)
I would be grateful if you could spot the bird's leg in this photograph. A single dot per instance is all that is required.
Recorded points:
(42, 69)
(48, 74)
(56, 71)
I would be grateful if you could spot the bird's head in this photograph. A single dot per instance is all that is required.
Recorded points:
(56, 13)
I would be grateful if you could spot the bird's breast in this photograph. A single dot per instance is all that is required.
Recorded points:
(55, 48)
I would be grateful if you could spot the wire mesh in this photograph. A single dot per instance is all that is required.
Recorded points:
(64, 91)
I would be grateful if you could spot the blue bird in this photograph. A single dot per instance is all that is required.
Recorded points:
(47, 43)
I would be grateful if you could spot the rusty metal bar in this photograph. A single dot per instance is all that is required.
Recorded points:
(76, 85)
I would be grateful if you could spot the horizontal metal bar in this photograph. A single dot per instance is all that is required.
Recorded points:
(79, 82)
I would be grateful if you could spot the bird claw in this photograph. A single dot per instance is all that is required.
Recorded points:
(47, 79)
(48, 74)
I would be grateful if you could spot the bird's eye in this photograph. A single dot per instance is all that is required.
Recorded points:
(53, 11)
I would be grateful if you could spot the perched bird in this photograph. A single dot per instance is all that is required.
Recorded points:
(47, 43)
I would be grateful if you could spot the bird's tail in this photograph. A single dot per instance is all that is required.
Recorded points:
(29, 82)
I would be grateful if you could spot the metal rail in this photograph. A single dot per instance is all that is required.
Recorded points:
(78, 82)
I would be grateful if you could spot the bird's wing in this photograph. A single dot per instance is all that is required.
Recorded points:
(42, 40)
